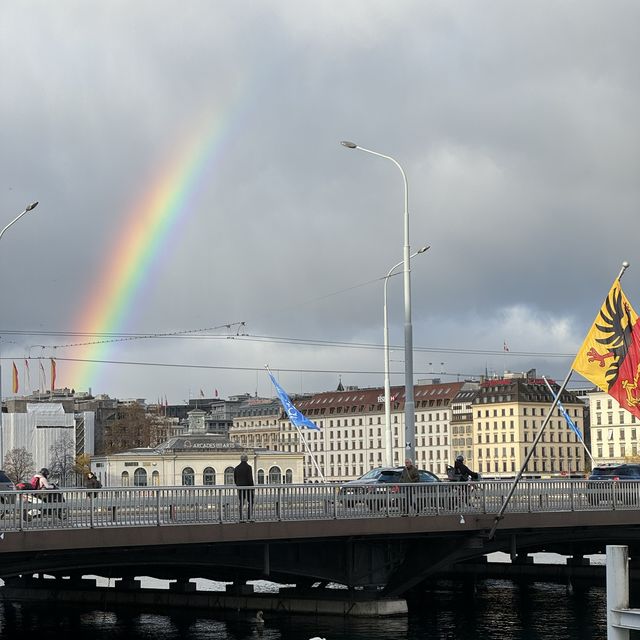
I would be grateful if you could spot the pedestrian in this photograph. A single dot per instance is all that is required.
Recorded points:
(92, 482)
(243, 477)
(409, 475)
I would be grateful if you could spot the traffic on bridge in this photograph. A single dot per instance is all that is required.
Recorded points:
(158, 506)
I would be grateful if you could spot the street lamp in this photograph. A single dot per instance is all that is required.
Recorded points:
(387, 385)
(409, 404)
(28, 208)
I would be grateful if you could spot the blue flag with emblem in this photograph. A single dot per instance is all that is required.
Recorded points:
(297, 419)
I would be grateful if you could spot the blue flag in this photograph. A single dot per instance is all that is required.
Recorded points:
(297, 419)
(571, 424)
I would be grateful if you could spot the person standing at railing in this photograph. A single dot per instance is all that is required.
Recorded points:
(243, 477)
(409, 475)
(92, 482)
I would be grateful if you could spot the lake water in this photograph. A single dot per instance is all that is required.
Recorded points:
(498, 610)
(495, 610)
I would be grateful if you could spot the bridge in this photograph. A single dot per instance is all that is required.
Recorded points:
(383, 539)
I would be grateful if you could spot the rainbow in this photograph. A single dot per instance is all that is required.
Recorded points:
(152, 218)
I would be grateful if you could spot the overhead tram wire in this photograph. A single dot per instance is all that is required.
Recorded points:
(172, 365)
(188, 334)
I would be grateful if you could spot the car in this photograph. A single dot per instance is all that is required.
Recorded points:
(614, 483)
(373, 487)
(6, 484)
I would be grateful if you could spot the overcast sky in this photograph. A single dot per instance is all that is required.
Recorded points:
(516, 124)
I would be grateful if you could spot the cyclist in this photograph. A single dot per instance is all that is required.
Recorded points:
(462, 473)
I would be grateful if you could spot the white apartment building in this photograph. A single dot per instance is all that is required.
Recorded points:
(614, 430)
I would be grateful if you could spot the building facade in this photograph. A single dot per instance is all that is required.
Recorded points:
(507, 415)
(195, 458)
(351, 439)
(614, 430)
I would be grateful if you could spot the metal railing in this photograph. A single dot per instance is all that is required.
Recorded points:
(165, 506)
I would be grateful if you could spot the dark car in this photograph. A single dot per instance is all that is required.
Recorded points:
(614, 483)
(373, 487)
(6, 484)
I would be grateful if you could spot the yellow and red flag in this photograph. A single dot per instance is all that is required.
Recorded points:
(16, 384)
(610, 354)
(53, 374)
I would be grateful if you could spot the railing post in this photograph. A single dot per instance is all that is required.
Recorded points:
(158, 507)
(571, 494)
(278, 498)
(617, 589)
(91, 509)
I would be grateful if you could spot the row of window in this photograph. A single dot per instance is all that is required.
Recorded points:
(188, 477)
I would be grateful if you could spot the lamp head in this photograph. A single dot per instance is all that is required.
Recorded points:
(349, 145)
(423, 249)
(31, 206)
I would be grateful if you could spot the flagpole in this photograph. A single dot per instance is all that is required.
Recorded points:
(625, 266)
(313, 459)
(503, 508)
(553, 393)
(297, 428)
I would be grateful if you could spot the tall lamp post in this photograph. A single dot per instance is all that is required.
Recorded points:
(387, 384)
(28, 208)
(409, 403)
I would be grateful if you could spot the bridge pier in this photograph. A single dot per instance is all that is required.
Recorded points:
(183, 594)
(128, 584)
(182, 586)
(578, 561)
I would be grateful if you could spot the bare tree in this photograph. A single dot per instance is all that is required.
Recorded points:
(62, 455)
(18, 464)
(132, 428)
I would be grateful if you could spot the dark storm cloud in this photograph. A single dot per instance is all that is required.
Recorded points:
(514, 122)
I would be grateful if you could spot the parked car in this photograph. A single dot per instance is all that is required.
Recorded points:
(614, 483)
(6, 484)
(373, 487)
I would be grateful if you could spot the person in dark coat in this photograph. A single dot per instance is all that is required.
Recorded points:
(409, 475)
(243, 477)
(462, 472)
(92, 482)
